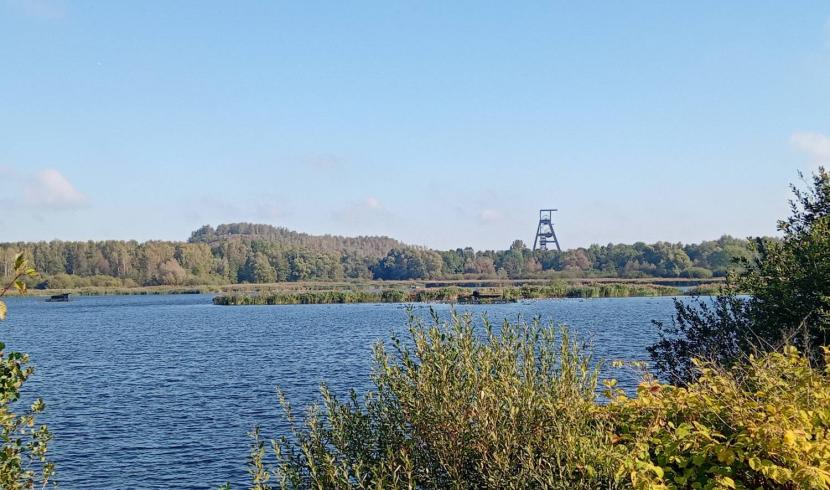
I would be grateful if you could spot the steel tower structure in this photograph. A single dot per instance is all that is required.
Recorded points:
(544, 232)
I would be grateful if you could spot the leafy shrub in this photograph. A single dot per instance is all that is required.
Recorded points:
(718, 330)
(515, 407)
(393, 296)
(765, 424)
(23, 462)
(455, 407)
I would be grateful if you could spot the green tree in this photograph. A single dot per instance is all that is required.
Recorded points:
(257, 269)
(23, 457)
(788, 288)
(789, 280)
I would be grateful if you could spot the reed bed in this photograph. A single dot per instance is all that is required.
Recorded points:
(446, 294)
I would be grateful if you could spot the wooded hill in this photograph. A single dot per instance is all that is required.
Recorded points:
(257, 253)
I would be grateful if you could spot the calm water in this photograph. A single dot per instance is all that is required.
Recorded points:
(161, 391)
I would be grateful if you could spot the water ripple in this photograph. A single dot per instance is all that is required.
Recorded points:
(159, 392)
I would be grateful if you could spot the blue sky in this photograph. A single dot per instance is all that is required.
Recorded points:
(439, 123)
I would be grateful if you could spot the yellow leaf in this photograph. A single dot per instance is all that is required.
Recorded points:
(2, 310)
(727, 482)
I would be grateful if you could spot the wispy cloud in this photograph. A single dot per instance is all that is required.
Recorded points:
(49, 189)
(42, 9)
(373, 203)
(489, 216)
(815, 145)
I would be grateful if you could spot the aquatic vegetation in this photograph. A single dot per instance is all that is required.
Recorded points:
(447, 294)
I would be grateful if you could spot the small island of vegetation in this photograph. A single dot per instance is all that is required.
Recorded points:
(452, 294)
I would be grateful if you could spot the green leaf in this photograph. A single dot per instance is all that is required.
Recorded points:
(19, 261)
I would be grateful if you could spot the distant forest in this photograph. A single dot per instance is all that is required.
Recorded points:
(255, 253)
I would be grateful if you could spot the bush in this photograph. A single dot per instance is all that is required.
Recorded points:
(511, 407)
(515, 407)
(788, 286)
(765, 424)
(696, 273)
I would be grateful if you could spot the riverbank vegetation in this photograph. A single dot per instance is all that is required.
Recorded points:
(518, 407)
(450, 294)
(248, 253)
(23, 443)
(670, 285)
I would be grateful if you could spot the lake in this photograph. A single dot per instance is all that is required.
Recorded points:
(161, 391)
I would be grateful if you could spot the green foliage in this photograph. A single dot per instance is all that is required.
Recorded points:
(765, 424)
(251, 253)
(515, 407)
(509, 407)
(716, 330)
(788, 283)
(696, 273)
(21, 271)
(408, 263)
(446, 294)
(790, 279)
(23, 461)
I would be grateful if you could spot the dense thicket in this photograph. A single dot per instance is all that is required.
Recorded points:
(243, 252)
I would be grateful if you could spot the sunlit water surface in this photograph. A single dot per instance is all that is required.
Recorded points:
(161, 391)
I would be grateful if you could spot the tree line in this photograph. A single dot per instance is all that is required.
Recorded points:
(256, 253)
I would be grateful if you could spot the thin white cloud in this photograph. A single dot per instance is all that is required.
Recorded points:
(815, 145)
(42, 9)
(373, 202)
(51, 190)
(490, 216)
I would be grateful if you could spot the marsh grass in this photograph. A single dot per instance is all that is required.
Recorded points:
(447, 294)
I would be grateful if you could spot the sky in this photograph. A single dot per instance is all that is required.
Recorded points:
(445, 124)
